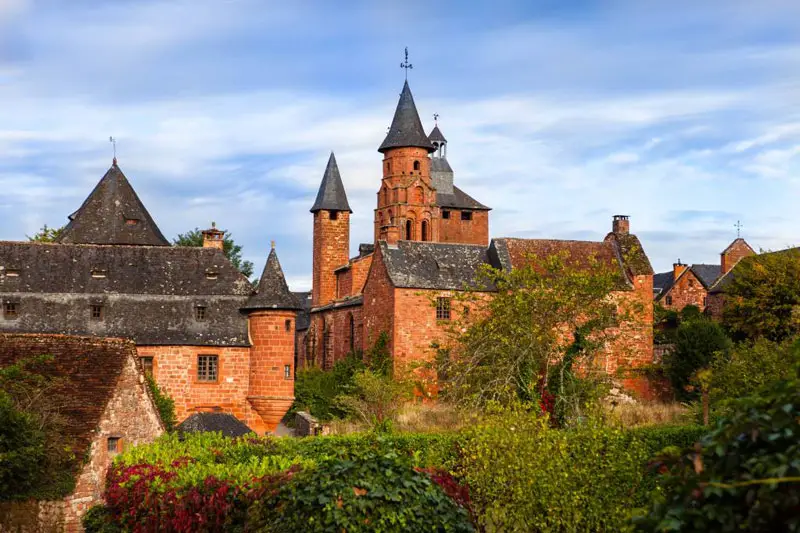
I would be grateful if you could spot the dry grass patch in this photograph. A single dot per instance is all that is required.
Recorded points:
(648, 414)
(416, 418)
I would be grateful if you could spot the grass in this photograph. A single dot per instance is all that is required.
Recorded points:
(416, 418)
(649, 414)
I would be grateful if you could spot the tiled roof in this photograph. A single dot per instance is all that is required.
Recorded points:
(663, 281)
(436, 135)
(113, 214)
(331, 195)
(707, 274)
(406, 129)
(272, 291)
(87, 370)
(303, 316)
(225, 423)
(459, 200)
(428, 265)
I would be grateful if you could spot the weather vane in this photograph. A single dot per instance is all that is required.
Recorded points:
(738, 227)
(113, 141)
(436, 119)
(406, 65)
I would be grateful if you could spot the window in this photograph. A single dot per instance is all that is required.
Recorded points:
(352, 334)
(200, 313)
(287, 371)
(424, 231)
(207, 367)
(333, 215)
(445, 214)
(114, 445)
(288, 325)
(147, 365)
(212, 274)
(12, 273)
(416, 165)
(99, 273)
(443, 308)
(409, 230)
(10, 310)
(466, 215)
(669, 300)
(705, 301)
(131, 221)
(96, 311)
(691, 283)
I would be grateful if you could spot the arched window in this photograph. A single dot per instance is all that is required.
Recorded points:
(423, 236)
(385, 196)
(416, 165)
(352, 333)
(409, 229)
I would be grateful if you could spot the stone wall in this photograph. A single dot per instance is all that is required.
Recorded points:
(32, 517)
(331, 250)
(687, 290)
(378, 306)
(475, 231)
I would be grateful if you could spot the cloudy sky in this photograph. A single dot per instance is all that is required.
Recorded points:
(684, 115)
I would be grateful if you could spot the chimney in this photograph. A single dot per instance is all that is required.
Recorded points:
(390, 234)
(621, 224)
(213, 238)
(678, 269)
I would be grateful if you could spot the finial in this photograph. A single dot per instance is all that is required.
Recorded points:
(213, 225)
(272, 244)
(113, 141)
(406, 65)
(436, 119)
(738, 227)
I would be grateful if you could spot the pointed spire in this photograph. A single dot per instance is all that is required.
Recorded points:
(113, 214)
(436, 135)
(406, 129)
(331, 195)
(272, 291)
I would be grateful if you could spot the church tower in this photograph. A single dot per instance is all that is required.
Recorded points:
(331, 234)
(407, 199)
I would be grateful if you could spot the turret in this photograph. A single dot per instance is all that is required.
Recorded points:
(272, 315)
(331, 233)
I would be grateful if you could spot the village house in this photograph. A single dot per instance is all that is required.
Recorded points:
(102, 396)
(691, 284)
(430, 240)
(210, 339)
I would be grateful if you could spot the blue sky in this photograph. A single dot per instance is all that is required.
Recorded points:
(683, 115)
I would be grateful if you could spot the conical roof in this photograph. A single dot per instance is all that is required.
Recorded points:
(272, 291)
(436, 135)
(406, 129)
(112, 214)
(331, 195)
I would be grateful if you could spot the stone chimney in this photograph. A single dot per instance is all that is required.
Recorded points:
(678, 269)
(390, 234)
(621, 224)
(213, 238)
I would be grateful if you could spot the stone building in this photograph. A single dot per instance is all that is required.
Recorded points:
(690, 284)
(106, 406)
(430, 239)
(209, 338)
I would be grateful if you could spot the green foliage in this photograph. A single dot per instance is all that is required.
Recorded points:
(743, 476)
(231, 250)
(316, 390)
(665, 322)
(98, 520)
(375, 399)
(696, 342)
(164, 403)
(46, 234)
(504, 350)
(690, 313)
(378, 356)
(35, 454)
(763, 297)
(750, 366)
(363, 491)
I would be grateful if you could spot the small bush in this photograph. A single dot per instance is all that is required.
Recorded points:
(375, 399)
(98, 519)
(316, 390)
(696, 343)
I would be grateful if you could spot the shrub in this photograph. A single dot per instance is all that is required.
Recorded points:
(164, 403)
(98, 519)
(375, 399)
(696, 342)
(743, 476)
(316, 390)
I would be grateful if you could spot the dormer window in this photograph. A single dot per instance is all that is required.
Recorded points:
(10, 310)
(131, 221)
(99, 273)
(12, 273)
(212, 274)
(200, 313)
(96, 311)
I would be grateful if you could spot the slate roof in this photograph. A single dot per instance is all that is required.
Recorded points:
(87, 370)
(436, 135)
(428, 265)
(707, 274)
(663, 281)
(406, 129)
(225, 423)
(148, 293)
(272, 291)
(331, 195)
(303, 316)
(112, 214)
(459, 200)
(631, 253)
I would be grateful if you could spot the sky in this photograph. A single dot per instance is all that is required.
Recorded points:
(684, 115)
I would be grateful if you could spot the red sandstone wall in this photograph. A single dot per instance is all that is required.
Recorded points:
(360, 269)
(475, 231)
(175, 369)
(687, 291)
(331, 250)
(379, 305)
(737, 250)
(633, 346)
(130, 414)
(271, 393)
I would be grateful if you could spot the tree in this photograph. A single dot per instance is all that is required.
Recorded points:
(696, 343)
(231, 250)
(763, 297)
(534, 336)
(46, 234)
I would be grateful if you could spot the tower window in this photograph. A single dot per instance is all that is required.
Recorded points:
(409, 230)
(10, 310)
(424, 231)
(207, 367)
(466, 215)
(443, 308)
(96, 311)
(445, 214)
(287, 371)
(200, 313)
(333, 215)
(288, 325)
(416, 165)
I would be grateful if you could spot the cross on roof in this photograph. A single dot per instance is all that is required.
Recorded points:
(406, 65)
(738, 227)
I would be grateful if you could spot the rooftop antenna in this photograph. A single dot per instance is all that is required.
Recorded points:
(738, 227)
(113, 141)
(406, 65)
